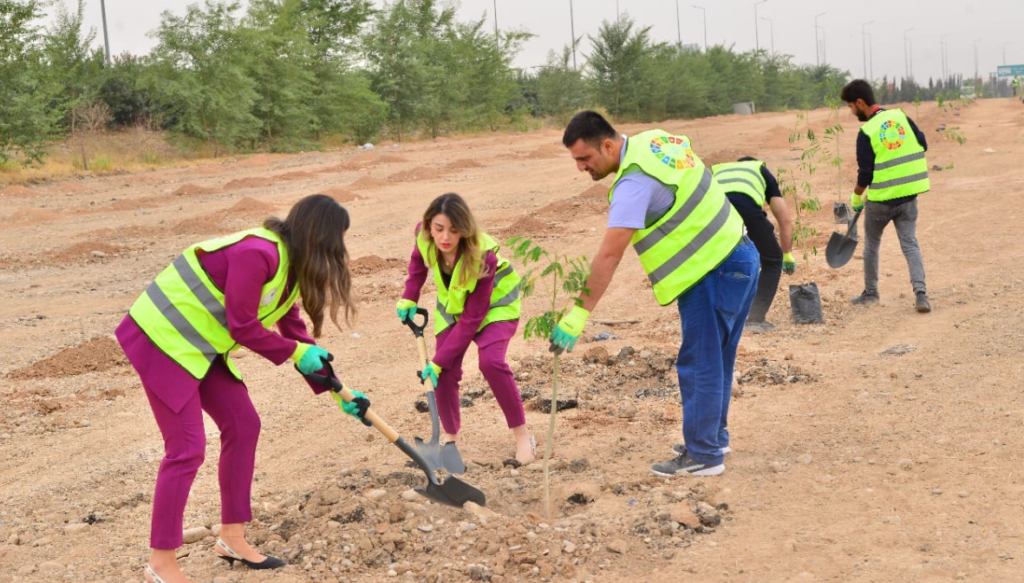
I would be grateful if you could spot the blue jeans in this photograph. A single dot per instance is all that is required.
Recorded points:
(712, 315)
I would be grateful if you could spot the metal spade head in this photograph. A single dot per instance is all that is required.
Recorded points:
(441, 488)
(841, 247)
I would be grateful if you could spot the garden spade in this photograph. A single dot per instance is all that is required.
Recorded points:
(441, 487)
(445, 456)
(841, 247)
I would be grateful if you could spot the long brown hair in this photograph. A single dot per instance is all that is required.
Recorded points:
(455, 208)
(314, 234)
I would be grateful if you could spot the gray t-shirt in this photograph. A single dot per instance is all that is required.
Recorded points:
(639, 199)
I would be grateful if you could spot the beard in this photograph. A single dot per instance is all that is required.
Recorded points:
(862, 116)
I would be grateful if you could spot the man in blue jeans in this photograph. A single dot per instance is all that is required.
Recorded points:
(690, 242)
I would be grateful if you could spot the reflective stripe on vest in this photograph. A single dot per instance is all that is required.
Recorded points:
(505, 302)
(900, 165)
(701, 228)
(182, 311)
(743, 177)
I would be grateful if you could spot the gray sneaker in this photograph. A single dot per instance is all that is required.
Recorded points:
(680, 449)
(922, 304)
(759, 327)
(684, 465)
(865, 299)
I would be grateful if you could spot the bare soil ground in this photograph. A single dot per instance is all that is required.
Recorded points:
(882, 445)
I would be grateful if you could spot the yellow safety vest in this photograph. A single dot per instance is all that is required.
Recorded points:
(451, 301)
(701, 228)
(182, 311)
(900, 166)
(743, 177)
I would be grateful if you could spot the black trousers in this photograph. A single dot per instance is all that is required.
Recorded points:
(762, 234)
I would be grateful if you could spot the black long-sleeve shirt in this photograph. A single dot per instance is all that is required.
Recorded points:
(866, 159)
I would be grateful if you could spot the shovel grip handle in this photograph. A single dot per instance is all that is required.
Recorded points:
(417, 329)
(331, 381)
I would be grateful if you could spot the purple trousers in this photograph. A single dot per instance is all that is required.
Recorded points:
(226, 400)
(492, 345)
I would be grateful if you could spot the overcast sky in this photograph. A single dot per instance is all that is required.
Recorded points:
(994, 27)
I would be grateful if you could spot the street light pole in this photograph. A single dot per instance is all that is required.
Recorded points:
(572, 30)
(863, 46)
(771, 27)
(906, 57)
(497, 40)
(106, 39)
(679, 30)
(871, 58)
(1004, 51)
(757, 40)
(942, 54)
(817, 59)
(701, 8)
(976, 60)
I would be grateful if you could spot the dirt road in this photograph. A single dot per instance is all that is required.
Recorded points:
(883, 445)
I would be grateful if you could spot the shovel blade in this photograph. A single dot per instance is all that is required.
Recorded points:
(440, 456)
(839, 250)
(452, 492)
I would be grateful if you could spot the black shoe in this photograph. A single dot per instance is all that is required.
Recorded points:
(231, 556)
(684, 465)
(865, 299)
(680, 449)
(922, 305)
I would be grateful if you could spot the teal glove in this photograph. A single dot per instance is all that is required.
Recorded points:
(357, 407)
(857, 202)
(406, 310)
(568, 330)
(431, 371)
(308, 358)
(788, 263)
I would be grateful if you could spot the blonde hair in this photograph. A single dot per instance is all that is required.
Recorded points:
(455, 208)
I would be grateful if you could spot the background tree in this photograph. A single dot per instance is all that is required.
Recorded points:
(26, 120)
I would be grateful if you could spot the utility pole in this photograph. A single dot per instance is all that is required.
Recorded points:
(1004, 51)
(106, 39)
(701, 8)
(871, 58)
(771, 27)
(757, 40)
(817, 59)
(863, 47)
(572, 30)
(976, 60)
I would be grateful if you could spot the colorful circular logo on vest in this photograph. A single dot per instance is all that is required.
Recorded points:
(892, 134)
(673, 152)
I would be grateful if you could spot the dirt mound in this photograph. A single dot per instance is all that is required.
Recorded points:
(17, 190)
(367, 183)
(341, 195)
(550, 151)
(193, 190)
(357, 162)
(722, 156)
(31, 216)
(240, 183)
(526, 226)
(463, 164)
(150, 233)
(205, 226)
(417, 173)
(372, 264)
(250, 206)
(86, 251)
(258, 160)
(298, 175)
(98, 354)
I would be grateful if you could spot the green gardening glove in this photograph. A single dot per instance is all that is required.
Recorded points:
(788, 263)
(857, 202)
(568, 330)
(309, 358)
(406, 310)
(357, 407)
(431, 371)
